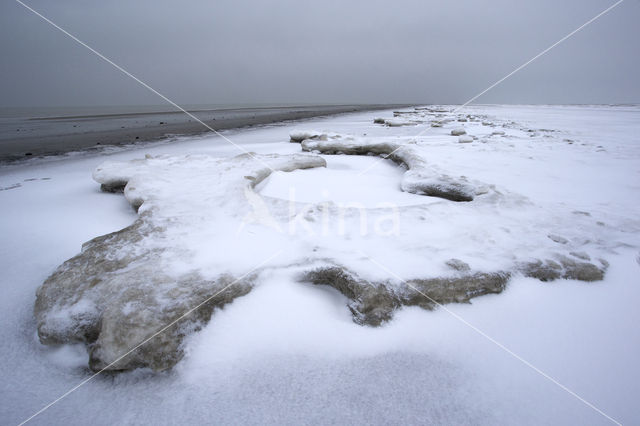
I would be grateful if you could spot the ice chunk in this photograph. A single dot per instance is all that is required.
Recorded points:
(419, 179)
(373, 303)
(562, 267)
(399, 123)
(126, 286)
(298, 137)
(458, 265)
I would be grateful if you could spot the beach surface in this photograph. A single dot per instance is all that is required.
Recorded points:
(549, 181)
(30, 133)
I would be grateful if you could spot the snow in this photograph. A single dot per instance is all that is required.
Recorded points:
(322, 184)
(289, 352)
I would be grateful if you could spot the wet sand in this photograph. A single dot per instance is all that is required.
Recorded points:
(24, 137)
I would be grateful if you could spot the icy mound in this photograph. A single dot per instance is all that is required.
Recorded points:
(419, 179)
(203, 230)
(399, 123)
(400, 119)
(372, 303)
(124, 287)
(297, 137)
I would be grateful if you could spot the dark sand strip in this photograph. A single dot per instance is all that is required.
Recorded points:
(30, 137)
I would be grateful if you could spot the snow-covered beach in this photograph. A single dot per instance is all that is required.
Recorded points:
(540, 183)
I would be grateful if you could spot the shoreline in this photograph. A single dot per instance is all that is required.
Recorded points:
(31, 137)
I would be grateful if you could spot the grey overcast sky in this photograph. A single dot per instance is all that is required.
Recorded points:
(303, 52)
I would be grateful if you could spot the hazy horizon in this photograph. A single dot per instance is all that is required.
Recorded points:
(319, 53)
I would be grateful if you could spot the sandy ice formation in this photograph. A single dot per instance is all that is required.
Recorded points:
(298, 137)
(401, 118)
(125, 286)
(372, 303)
(420, 178)
(399, 123)
(203, 224)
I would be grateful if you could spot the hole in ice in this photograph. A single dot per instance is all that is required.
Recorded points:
(342, 182)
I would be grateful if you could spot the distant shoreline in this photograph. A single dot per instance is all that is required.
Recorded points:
(196, 111)
(28, 137)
